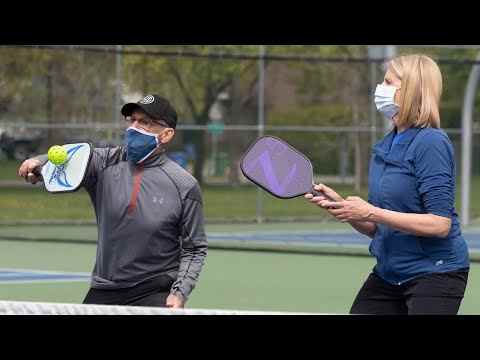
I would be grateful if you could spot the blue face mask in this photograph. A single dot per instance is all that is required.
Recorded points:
(140, 144)
(384, 100)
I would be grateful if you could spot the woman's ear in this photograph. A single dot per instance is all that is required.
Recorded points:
(396, 97)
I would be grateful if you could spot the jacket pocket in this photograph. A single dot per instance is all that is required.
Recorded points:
(438, 249)
(406, 244)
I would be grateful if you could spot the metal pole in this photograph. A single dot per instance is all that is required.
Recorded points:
(390, 52)
(467, 119)
(373, 108)
(261, 120)
(118, 84)
(214, 154)
(373, 53)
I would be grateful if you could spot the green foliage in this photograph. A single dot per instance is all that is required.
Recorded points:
(193, 84)
(451, 114)
(323, 149)
(329, 114)
(35, 204)
(81, 85)
(325, 94)
(455, 79)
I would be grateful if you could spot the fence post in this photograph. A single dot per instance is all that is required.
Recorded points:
(118, 86)
(467, 119)
(373, 53)
(261, 121)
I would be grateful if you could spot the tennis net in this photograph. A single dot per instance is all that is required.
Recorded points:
(38, 308)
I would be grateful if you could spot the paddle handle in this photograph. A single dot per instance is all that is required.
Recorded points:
(35, 172)
(319, 193)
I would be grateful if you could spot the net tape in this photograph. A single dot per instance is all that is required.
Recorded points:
(36, 308)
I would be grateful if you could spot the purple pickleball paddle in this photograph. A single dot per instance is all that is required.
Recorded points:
(278, 168)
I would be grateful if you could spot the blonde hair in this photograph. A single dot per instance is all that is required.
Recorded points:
(420, 92)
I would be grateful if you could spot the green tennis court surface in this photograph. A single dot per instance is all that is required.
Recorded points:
(230, 280)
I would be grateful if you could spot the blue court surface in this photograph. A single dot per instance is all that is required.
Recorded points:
(21, 276)
(339, 238)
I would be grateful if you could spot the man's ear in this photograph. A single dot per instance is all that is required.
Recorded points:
(166, 136)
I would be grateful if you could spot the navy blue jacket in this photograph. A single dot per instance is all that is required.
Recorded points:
(415, 175)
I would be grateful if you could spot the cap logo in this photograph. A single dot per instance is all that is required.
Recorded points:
(147, 100)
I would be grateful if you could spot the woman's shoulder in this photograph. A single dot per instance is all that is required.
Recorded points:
(430, 140)
(431, 136)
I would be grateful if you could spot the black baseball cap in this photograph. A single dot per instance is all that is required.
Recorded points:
(155, 106)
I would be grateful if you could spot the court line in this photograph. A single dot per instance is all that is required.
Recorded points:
(27, 276)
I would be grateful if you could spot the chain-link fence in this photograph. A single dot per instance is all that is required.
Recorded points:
(318, 98)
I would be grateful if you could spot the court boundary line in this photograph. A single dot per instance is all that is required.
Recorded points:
(42, 281)
(320, 249)
(51, 272)
(44, 272)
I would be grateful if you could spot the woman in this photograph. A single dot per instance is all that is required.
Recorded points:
(422, 258)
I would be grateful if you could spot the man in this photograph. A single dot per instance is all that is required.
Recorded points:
(151, 239)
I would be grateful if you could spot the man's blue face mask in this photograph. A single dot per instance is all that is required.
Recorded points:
(140, 144)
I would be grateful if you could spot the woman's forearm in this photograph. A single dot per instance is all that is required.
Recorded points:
(427, 225)
(365, 227)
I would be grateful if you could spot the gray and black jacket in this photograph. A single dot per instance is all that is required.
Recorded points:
(150, 222)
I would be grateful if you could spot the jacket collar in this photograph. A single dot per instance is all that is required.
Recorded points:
(383, 147)
(152, 161)
(407, 136)
(156, 160)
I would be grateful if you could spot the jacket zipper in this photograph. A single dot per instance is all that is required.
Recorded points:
(137, 179)
(384, 247)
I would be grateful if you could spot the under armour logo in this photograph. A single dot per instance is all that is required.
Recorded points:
(147, 100)
(439, 262)
(158, 200)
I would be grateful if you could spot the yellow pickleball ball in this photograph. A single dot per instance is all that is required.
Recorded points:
(57, 155)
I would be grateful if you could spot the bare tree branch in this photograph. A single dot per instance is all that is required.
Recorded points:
(252, 88)
(183, 89)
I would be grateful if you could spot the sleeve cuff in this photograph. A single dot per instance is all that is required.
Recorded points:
(42, 158)
(178, 293)
(445, 214)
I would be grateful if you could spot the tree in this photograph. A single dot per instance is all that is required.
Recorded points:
(192, 84)
(56, 87)
(330, 94)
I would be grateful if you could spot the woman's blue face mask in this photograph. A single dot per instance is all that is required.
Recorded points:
(140, 144)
